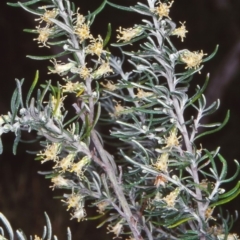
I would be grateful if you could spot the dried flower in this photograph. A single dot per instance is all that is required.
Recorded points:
(43, 36)
(170, 199)
(109, 85)
(208, 214)
(50, 153)
(181, 31)
(192, 59)
(60, 68)
(128, 33)
(48, 14)
(79, 213)
(117, 229)
(143, 94)
(160, 180)
(162, 10)
(102, 206)
(205, 185)
(215, 230)
(119, 110)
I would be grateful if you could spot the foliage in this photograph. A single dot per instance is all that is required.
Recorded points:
(47, 231)
(156, 183)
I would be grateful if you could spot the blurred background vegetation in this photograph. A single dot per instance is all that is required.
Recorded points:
(24, 194)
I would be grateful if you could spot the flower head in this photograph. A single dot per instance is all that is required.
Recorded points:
(119, 110)
(192, 59)
(78, 167)
(109, 85)
(35, 238)
(102, 206)
(43, 36)
(128, 33)
(75, 200)
(83, 32)
(162, 163)
(51, 153)
(80, 19)
(79, 213)
(65, 163)
(170, 199)
(172, 139)
(117, 229)
(163, 9)
(143, 94)
(180, 32)
(208, 214)
(96, 46)
(47, 15)
(59, 181)
(231, 236)
(60, 68)
(72, 87)
(83, 71)
(103, 70)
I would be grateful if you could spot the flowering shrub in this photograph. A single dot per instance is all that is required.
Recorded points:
(158, 183)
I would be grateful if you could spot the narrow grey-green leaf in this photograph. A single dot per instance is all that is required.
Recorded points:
(49, 227)
(16, 141)
(48, 57)
(69, 234)
(199, 93)
(21, 235)
(25, 3)
(1, 146)
(235, 175)
(120, 7)
(108, 36)
(98, 10)
(19, 87)
(13, 100)
(46, 88)
(30, 10)
(7, 225)
(217, 129)
(62, 25)
(32, 88)
(97, 115)
(211, 55)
